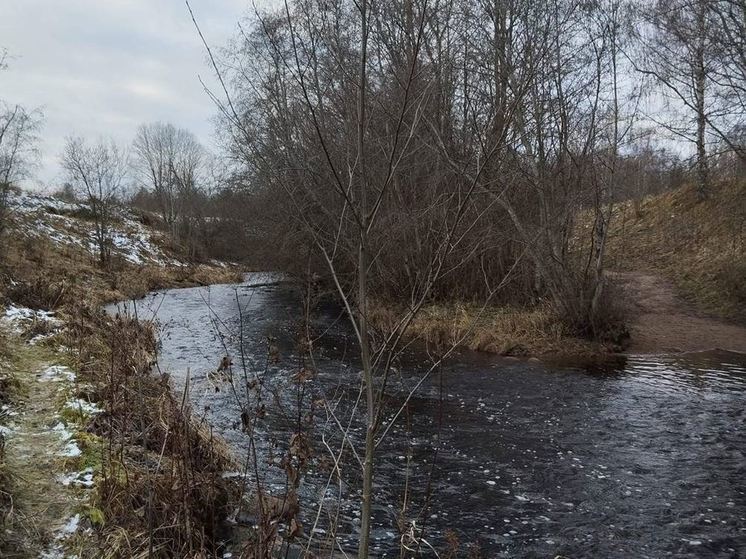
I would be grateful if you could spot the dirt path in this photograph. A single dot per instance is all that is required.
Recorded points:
(42, 457)
(662, 322)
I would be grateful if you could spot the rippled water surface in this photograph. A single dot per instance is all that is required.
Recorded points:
(635, 457)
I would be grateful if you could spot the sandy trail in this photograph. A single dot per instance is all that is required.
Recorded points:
(663, 323)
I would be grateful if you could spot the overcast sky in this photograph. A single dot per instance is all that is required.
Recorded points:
(102, 67)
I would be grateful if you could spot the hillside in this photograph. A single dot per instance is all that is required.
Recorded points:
(698, 246)
(681, 264)
(51, 242)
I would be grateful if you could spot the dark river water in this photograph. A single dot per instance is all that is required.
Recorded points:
(638, 456)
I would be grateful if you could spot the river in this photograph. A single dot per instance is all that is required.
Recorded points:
(635, 456)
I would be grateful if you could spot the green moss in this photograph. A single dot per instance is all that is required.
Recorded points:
(91, 447)
(94, 515)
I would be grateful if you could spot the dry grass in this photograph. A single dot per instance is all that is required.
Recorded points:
(502, 330)
(7, 390)
(160, 488)
(700, 246)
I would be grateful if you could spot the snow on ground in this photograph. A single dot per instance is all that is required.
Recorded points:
(84, 478)
(54, 219)
(29, 203)
(71, 450)
(20, 319)
(56, 549)
(17, 318)
(83, 407)
(57, 373)
(6, 410)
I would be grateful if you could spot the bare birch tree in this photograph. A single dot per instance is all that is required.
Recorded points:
(728, 76)
(676, 50)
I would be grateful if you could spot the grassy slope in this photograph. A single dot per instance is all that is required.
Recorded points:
(700, 246)
(48, 244)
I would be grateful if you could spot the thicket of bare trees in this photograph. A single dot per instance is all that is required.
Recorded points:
(506, 116)
(419, 150)
(168, 161)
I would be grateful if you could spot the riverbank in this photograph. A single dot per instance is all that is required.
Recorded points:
(681, 263)
(661, 321)
(99, 457)
(698, 246)
(677, 267)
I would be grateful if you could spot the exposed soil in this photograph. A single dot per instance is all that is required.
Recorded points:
(662, 322)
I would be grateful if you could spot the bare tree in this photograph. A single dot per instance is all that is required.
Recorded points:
(97, 173)
(331, 111)
(728, 44)
(18, 141)
(677, 51)
(18, 145)
(168, 160)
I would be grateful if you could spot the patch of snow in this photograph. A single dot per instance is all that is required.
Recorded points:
(56, 550)
(6, 410)
(18, 317)
(57, 373)
(64, 434)
(72, 525)
(26, 202)
(83, 478)
(83, 406)
(71, 450)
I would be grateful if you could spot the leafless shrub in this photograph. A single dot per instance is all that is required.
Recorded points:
(41, 292)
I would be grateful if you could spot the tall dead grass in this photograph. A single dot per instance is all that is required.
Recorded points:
(161, 492)
(512, 331)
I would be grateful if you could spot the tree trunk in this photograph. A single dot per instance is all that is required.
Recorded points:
(699, 85)
(365, 513)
